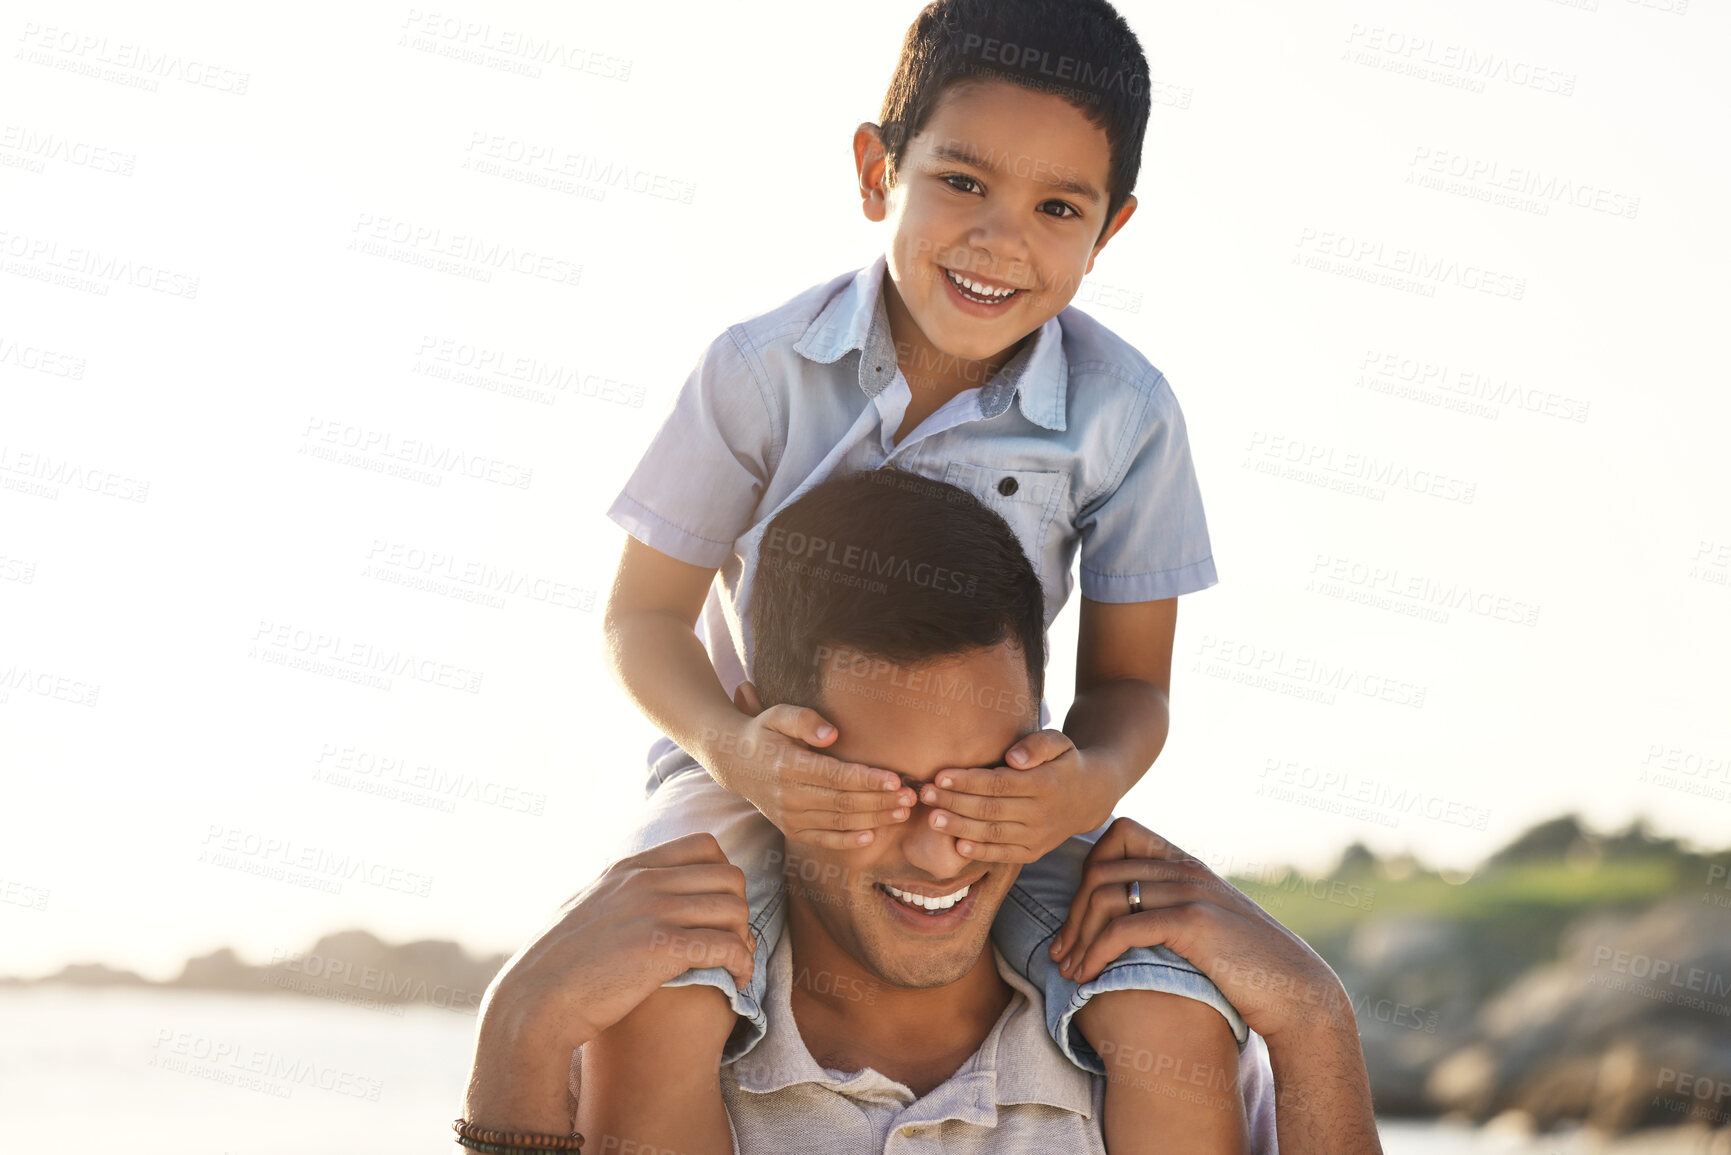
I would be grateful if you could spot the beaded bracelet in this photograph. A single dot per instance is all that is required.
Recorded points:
(492, 1148)
(491, 1142)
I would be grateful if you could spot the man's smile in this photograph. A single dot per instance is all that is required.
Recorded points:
(929, 902)
(922, 912)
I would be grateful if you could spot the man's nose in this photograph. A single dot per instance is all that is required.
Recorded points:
(930, 850)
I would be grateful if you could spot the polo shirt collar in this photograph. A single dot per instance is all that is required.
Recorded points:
(1036, 378)
(1017, 1063)
(1028, 1065)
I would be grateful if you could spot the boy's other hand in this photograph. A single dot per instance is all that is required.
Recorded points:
(774, 760)
(1020, 811)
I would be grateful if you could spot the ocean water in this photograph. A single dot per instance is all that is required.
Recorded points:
(199, 1073)
(220, 1074)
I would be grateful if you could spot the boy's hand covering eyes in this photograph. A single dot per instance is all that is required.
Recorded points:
(775, 762)
(1020, 811)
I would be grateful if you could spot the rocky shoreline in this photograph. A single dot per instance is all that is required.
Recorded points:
(1550, 1000)
(1574, 984)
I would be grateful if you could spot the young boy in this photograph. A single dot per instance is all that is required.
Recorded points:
(1009, 143)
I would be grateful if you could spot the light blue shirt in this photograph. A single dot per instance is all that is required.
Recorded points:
(1077, 441)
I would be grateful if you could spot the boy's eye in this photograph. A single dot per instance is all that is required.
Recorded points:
(961, 182)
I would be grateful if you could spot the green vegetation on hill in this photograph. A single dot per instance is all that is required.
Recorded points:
(1514, 906)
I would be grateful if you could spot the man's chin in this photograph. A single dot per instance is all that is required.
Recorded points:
(915, 967)
(914, 961)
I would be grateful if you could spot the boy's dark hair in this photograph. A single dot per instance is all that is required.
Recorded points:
(1081, 50)
(894, 566)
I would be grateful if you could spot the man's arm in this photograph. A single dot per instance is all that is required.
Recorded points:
(647, 918)
(1284, 990)
(1322, 1093)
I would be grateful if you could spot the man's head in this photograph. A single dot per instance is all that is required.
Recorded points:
(1006, 151)
(904, 611)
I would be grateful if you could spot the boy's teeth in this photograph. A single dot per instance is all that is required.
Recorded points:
(941, 903)
(978, 289)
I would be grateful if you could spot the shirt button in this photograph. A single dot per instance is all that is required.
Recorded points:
(1007, 486)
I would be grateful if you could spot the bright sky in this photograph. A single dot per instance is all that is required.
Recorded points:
(1436, 286)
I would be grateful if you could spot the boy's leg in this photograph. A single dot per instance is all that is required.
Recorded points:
(652, 1081)
(1171, 1075)
(1163, 1035)
(1033, 914)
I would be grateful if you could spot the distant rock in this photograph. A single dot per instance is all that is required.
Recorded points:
(97, 975)
(1621, 1032)
(1413, 999)
(220, 970)
(353, 967)
(356, 967)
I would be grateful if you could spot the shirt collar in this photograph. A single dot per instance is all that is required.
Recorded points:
(1028, 1064)
(1017, 1063)
(1036, 378)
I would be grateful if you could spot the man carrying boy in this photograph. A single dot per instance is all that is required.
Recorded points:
(1001, 176)
(893, 1023)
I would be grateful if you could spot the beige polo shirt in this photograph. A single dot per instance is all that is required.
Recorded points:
(1016, 1093)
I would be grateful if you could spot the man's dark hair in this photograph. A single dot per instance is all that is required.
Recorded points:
(1081, 50)
(894, 566)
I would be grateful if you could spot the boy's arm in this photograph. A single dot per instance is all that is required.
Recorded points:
(764, 758)
(654, 654)
(1056, 784)
(1171, 1062)
(1120, 715)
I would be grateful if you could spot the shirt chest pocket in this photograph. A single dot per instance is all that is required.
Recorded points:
(1029, 499)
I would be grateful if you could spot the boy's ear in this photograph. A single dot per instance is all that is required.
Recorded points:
(871, 160)
(745, 697)
(1112, 226)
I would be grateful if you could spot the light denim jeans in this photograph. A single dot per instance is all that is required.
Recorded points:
(684, 799)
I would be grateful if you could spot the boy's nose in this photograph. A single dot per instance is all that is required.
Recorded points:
(998, 232)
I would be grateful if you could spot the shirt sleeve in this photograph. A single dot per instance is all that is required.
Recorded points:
(1145, 539)
(693, 493)
(1256, 1081)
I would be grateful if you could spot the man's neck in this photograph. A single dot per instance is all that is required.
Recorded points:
(850, 1019)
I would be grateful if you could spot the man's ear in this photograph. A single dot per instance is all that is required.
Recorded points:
(745, 697)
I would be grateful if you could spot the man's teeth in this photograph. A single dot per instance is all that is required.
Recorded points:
(977, 289)
(920, 900)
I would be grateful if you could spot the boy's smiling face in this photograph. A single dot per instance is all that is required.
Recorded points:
(1004, 187)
